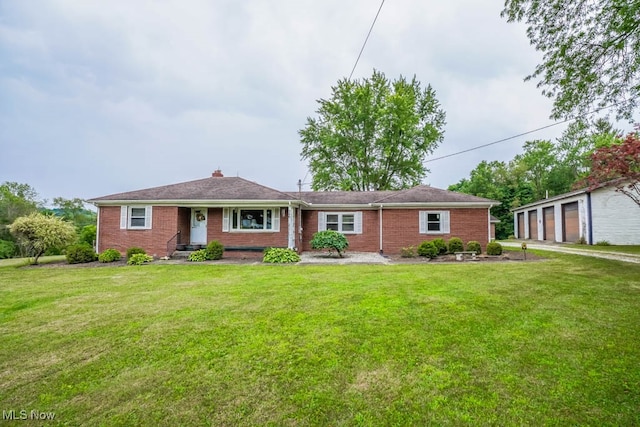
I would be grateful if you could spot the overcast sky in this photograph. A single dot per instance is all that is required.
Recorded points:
(100, 97)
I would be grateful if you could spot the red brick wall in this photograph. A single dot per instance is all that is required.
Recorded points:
(368, 241)
(154, 241)
(246, 238)
(401, 228)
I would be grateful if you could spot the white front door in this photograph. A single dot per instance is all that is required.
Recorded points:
(198, 226)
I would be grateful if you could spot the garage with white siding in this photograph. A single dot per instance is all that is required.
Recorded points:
(602, 214)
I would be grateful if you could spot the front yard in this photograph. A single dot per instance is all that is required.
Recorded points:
(551, 342)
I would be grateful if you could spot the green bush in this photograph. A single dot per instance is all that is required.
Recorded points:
(455, 245)
(280, 255)
(53, 251)
(198, 256)
(440, 245)
(88, 234)
(581, 241)
(428, 249)
(139, 259)
(494, 248)
(474, 246)
(409, 252)
(135, 250)
(109, 255)
(80, 253)
(331, 240)
(214, 250)
(8, 249)
(600, 243)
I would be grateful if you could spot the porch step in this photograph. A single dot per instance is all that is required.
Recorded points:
(181, 254)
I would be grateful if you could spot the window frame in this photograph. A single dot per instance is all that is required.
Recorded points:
(232, 219)
(127, 217)
(356, 223)
(444, 222)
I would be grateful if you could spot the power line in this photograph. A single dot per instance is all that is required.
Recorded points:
(366, 39)
(523, 133)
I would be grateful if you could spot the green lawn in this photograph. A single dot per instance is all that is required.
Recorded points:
(627, 249)
(554, 342)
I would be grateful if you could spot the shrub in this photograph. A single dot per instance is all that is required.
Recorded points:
(214, 250)
(280, 255)
(494, 248)
(7, 249)
(88, 234)
(198, 256)
(38, 232)
(52, 251)
(440, 245)
(80, 253)
(512, 237)
(428, 249)
(581, 241)
(331, 240)
(600, 243)
(134, 250)
(409, 252)
(455, 245)
(475, 247)
(139, 259)
(109, 255)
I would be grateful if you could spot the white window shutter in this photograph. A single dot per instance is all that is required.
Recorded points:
(276, 219)
(357, 222)
(147, 217)
(322, 223)
(423, 222)
(124, 213)
(444, 222)
(225, 219)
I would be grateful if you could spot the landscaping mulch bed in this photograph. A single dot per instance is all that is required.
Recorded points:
(507, 255)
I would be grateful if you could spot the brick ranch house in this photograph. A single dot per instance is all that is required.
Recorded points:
(247, 217)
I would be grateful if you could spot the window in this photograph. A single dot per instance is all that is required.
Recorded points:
(135, 217)
(434, 222)
(343, 222)
(240, 219)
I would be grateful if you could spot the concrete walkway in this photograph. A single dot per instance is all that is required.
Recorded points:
(555, 247)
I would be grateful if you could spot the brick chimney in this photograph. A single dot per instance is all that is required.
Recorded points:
(217, 173)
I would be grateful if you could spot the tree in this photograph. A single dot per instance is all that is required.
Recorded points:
(591, 52)
(73, 210)
(331, 240)
(16, 200)
(372, 134)
(620, 164)
(37, 232)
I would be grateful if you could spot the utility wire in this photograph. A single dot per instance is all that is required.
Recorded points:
(366, 39)
(523, 133)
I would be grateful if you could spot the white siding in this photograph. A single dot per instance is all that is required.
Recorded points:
(616, 218)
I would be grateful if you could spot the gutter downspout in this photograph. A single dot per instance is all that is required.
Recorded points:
(589, 218)
(489, 222)
(380, 221)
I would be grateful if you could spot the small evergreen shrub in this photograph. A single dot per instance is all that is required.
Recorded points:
(600, 243)
(428, 249)
(214, 250)
(455, 245)
(80, 253)
(440, 245)
(139, 259)
(198, 256)
(474, 246)
(280, 255)
(494, 248)
(109, 255)
(409, 252)
(8, 249)
(134, 250)
(331, 240)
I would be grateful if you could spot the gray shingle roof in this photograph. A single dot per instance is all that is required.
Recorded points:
(235, 188)
(418, 194)
(213, 188)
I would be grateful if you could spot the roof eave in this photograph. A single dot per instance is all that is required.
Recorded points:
(195, 202)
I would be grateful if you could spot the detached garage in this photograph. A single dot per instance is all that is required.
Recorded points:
(602, 214)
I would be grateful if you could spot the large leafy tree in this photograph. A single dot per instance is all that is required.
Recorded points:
(36, 233)
(16, 200)
(618, 163)
(591, 52)
(372, 134)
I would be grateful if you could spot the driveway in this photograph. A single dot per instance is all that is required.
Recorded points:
(555, 247)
